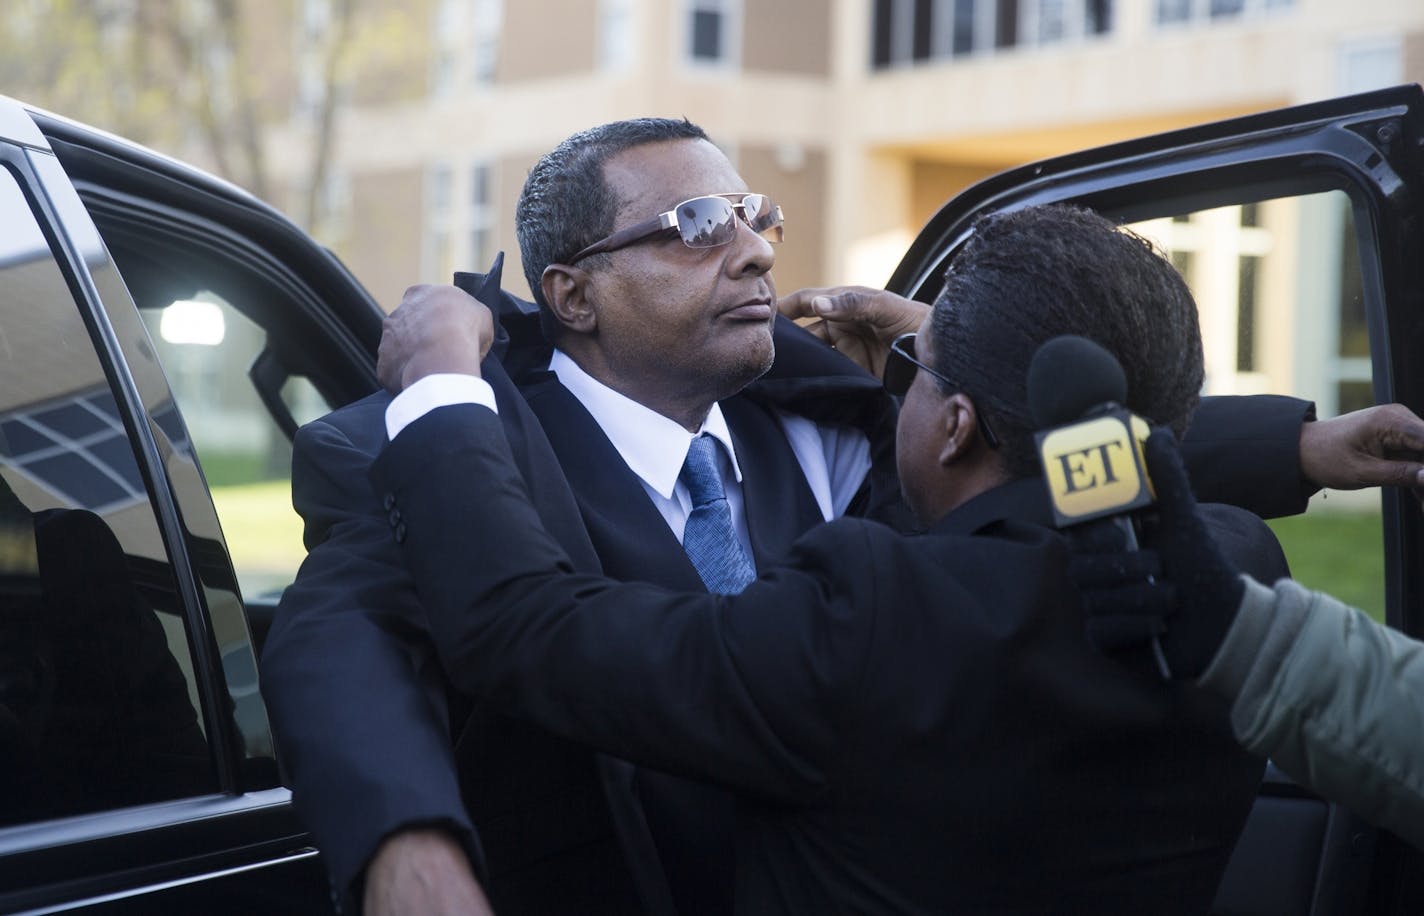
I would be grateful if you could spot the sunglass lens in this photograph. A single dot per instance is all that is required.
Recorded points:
(763, 216)
(706, 222)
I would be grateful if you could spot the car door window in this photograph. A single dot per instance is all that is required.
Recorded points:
(99, 703)
(207, 346)
(1279, 286)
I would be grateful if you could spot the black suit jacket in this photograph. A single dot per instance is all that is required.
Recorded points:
(912, 724)
(358, 701)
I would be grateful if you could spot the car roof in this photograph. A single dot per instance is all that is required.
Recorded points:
(51, 127)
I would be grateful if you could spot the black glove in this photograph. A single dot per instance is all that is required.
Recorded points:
(1178, 588)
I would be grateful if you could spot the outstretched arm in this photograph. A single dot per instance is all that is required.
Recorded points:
(1265, 453)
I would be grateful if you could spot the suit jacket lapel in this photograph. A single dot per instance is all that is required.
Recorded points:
(549, 488)
(633, 540)
(771, 479)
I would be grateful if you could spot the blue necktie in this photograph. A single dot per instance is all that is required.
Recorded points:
(710, 539)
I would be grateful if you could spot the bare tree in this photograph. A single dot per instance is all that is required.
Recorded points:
(206, 79)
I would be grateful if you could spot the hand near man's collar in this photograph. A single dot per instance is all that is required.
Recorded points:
(859, 321)
(436, 330)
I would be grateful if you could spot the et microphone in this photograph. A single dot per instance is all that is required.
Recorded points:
(1090, 446)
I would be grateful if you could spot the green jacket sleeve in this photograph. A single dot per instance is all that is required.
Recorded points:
(1333, 698)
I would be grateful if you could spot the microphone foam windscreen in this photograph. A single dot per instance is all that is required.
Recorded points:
(1069, 376)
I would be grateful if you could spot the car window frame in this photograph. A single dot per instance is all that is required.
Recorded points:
(249, 822)
(1368, 146)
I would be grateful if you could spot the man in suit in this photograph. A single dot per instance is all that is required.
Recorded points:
(664, 331)
(910, 723)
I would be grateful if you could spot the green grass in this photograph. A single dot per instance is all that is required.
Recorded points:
(1337, 552)
(227, 469)
(263, 533)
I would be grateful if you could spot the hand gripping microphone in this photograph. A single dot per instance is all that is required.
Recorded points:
(1090, 447)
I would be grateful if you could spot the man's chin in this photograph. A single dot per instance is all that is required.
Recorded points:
(749, 362)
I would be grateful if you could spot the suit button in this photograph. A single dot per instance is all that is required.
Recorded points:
(400, 533)
(395, 517)
(390, 500)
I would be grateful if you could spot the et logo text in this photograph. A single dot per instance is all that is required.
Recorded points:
(1094, 468)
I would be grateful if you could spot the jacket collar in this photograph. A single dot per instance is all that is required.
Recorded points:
(1024, 500)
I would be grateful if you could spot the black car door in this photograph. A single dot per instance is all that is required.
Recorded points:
(137, 768)
(1300, 232)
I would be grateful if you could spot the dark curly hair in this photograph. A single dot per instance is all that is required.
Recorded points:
(1029, 275)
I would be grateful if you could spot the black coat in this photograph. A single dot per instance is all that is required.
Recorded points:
(359, 703)
(911, 724)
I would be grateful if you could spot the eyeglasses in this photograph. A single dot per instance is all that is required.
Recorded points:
(703, 222)
(900, 368)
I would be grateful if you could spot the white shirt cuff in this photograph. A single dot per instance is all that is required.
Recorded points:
(440, 390)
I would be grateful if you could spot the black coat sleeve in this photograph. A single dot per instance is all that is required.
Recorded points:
(1245, 451)
(349, 677)
(358, 699)
(714, 687)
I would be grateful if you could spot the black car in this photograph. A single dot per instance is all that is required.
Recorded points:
(162, 334)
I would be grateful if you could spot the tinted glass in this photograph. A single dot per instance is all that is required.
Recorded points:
(706, 35)
(98, 699)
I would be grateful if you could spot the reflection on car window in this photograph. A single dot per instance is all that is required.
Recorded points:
(98, 702)
(1283, 308)
(206, 347)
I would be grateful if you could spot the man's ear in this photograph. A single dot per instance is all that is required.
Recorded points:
(566, 290)
(960, 423)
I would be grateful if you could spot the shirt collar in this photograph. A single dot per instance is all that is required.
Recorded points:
(653, 446)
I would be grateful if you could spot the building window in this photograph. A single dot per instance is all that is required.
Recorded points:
(1097, 16)
(712, 30)
(1169, 12)
(459, 237)
(482, 218)
(882, 17)
(1174, 10)
(911, 31)
(1052, 21)
(615, 35)
(961, 20)
(466, 44)
(484, 49)
(448, 22)
(1006, 23)
(439, 258)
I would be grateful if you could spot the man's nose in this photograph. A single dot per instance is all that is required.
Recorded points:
(750, 253)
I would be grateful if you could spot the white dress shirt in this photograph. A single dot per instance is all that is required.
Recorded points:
(834, 459)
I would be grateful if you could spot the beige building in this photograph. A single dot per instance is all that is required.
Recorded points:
(862, 117)
(826, 103)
